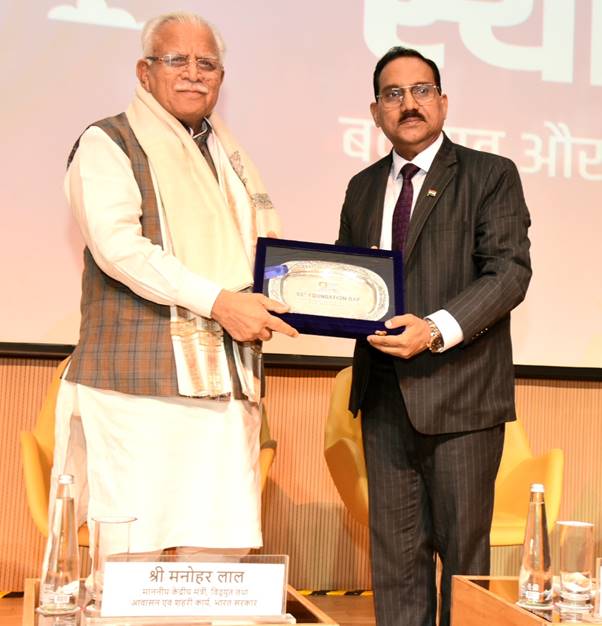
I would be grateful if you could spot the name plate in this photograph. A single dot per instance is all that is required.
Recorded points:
(330, 290)
(187, 588)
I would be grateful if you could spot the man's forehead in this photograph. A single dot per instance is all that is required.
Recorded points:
(185, 34)
(414, 68)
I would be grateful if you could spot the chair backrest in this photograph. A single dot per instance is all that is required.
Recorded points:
(37, 448)
(267, 448)
(340, 422)
(344, 451)
(44, 428)
(519, 469)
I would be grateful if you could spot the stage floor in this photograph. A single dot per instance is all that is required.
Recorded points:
(347, 610)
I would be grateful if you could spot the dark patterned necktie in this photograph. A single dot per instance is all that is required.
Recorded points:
(403, 207)
(201, 141)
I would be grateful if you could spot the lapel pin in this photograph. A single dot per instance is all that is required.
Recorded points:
(431, 193)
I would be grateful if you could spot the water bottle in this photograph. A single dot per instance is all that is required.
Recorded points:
(535, 578)
(59, 582)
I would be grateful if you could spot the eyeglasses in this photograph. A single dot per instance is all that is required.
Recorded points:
(207, 65)
(423, 93)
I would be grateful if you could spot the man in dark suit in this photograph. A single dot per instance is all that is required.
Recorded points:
(434, 399)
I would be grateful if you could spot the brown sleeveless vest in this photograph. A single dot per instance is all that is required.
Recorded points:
(125, 342)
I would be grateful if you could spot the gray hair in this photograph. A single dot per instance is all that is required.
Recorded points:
(149, 32)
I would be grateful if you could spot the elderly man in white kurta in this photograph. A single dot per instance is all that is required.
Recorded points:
(158, 412)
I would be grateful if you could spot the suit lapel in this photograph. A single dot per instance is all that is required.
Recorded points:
(374, 214)
(437, 179)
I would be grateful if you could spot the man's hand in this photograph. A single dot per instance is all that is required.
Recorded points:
(411, 341)
(246, 316)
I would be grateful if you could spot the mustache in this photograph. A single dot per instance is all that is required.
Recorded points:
(187, 85)
(412, 113)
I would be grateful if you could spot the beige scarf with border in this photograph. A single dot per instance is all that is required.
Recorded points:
(212, 227)
(204, 217)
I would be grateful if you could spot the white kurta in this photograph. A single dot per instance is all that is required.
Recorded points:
(187, 469)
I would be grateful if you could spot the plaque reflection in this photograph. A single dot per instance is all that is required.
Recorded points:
(328, 288)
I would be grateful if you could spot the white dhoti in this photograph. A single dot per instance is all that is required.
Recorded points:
(187, 469)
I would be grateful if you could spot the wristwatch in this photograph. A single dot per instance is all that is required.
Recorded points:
(435, 342)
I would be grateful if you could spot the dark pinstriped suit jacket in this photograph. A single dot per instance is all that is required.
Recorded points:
(467, 252)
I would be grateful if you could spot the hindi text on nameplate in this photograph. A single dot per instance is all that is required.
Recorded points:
(186, 588)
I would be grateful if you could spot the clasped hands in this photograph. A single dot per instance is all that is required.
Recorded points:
(247, 317)
(413, 340)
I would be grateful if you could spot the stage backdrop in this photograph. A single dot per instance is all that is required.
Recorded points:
(523, 77)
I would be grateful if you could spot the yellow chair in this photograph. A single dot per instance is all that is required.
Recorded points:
(344, 456)
(37, 447)
(518, 470)
(344, 450)
(267, 448)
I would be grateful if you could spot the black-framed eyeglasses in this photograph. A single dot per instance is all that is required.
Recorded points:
(178, 61)
(423, 93)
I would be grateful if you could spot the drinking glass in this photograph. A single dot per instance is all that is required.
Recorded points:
(576, 558)
(598, 598)
(111, 538)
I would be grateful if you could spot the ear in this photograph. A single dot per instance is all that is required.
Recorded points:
(375, 113)
(444, 105)
(142, 69)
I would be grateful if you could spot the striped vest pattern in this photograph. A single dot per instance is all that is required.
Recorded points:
(125, 342)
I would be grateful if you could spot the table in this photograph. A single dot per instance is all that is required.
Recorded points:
(297, 605)
(478, 600)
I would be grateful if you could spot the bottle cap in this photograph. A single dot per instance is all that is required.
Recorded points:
(65, 479)
(536, 488)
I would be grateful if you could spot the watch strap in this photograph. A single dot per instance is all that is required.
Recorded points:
(435, 343)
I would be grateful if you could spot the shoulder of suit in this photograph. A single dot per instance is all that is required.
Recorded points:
(374, 169)
(487, 159)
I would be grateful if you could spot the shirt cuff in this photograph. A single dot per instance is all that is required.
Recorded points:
(197, 294)
(448, 326)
